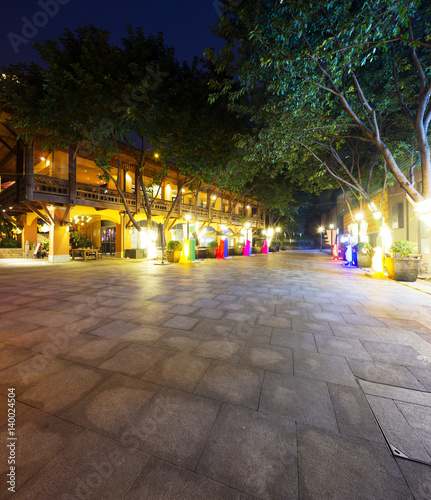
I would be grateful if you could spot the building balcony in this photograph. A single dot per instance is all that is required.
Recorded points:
(57, 192)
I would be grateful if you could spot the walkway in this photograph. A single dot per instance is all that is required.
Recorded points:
(256, 377)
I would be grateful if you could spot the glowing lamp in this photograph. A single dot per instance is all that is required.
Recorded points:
(247, 225)
(331, 226)
(188, 217)
(277, 229)
(377, 215)
(359, 216)
(270, 232)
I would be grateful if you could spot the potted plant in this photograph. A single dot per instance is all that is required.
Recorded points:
(364, 253)
(283, 245)
(257, 248)
(173, 252)
(212, 247)
(403, 266)
(239, 248)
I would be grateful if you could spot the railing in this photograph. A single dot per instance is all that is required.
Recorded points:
(8, 197)
(51, 185)
(101, 196)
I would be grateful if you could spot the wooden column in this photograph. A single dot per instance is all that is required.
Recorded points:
(72, 176)
(137, 190)
(29, 171)
(209, 204)
(19, 168)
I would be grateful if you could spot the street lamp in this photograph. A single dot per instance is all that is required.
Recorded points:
(188, 217)
(321, 230)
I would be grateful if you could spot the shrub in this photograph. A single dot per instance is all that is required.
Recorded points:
(363, 247)
(10, 243)
(239, 244)
(174, 246)
(403, 248)
(213, 244)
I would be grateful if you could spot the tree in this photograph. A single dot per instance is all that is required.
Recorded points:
(348, 66)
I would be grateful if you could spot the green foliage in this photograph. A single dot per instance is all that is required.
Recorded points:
(78, 239)
(239, 244)
(363, 247)
(174, 246)
(402, 248)
(320, 79)
(10, 243)
(213, 244)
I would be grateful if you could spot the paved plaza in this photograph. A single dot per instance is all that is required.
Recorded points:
(278, 376)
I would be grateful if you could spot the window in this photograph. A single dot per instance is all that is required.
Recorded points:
(398, 216)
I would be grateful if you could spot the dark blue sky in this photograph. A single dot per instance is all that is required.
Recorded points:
(185, 24)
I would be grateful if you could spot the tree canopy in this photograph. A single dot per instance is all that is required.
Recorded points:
(322, 73)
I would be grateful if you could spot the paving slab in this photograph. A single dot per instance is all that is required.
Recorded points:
(91, 467)
(298, 399)
(334, 466)
(252, 452)
(231, 383)
(175, 426)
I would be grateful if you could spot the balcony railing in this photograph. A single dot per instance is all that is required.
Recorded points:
(53, 189)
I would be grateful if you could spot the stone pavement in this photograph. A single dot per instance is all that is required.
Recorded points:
(257, 377)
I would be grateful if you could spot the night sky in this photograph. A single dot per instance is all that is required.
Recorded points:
(185, 24)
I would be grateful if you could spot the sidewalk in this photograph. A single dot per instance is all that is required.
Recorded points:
(260, 377)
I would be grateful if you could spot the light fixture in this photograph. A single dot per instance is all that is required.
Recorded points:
(270, 232)
(214, 197)
(183, 190)
(277, 229)
(156, 155)
(188, 217)
(331, 226)
(359, 216)
(248, 206)
(247, 225)
(45, 228)
(42, 158)
(321, 229)
(377, 215)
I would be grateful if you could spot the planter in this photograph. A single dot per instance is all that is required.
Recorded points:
(364, 259)
(211, 253)
(257, 249)
(138, 253)
(173, 255)
(238, 251)
(403, 268)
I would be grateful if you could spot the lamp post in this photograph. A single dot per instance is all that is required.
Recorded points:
(277, 243)
(320, 230)
(188, 217)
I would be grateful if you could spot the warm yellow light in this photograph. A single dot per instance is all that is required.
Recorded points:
(277, 229)
(331, 226)
(359, 216)
(183, 190)
(214, 198)
(188, 217)
(42, 158)
(248, 206)
(48, 163)
(321, 229)
(377, 215)
(270, 232)
(156, 155)
(247, 225)
(377, 261)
